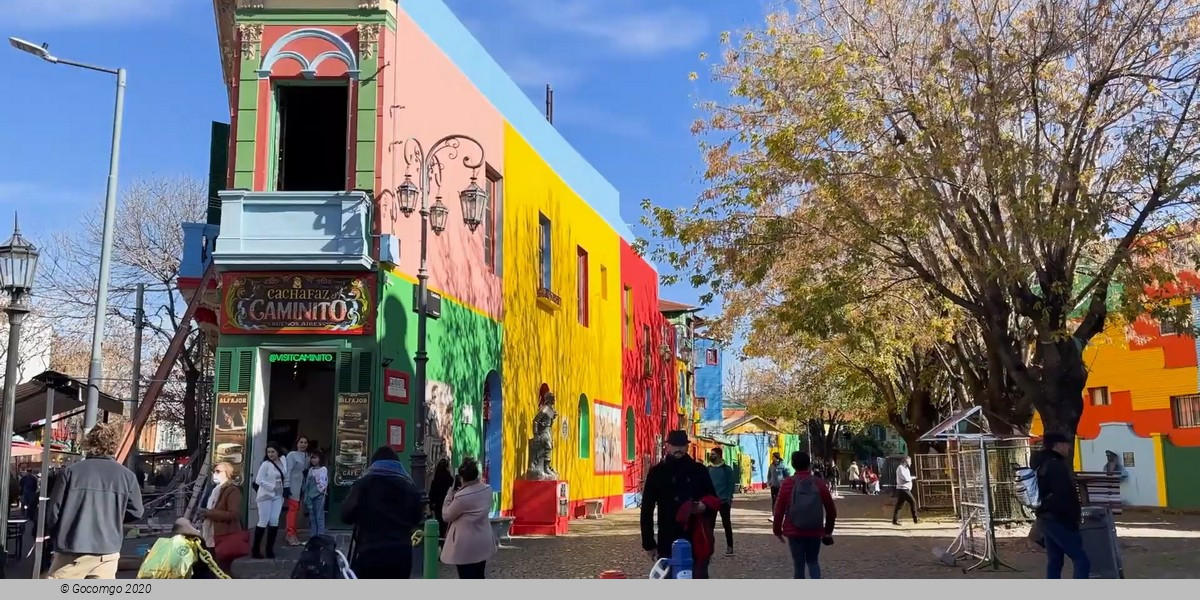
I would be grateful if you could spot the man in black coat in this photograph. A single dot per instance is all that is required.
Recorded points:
(1059, 513)
(673, 483)
(384, 506)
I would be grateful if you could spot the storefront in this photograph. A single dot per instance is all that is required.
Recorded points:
(296, 358)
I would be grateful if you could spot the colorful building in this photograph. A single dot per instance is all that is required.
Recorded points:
(710, 383)
(1142, 402)
(534, 291)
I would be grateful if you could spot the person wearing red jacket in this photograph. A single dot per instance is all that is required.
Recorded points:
(804, 538)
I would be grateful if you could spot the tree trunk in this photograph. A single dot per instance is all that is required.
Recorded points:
(1059, 399)
(191, 416)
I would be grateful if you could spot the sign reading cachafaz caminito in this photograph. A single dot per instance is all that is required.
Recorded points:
(330, 303)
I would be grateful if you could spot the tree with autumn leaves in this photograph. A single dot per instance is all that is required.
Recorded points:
(1017, 166)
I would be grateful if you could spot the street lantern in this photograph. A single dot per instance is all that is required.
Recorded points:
(438, 214)
(42, 52)
(18, 262)
(408, 193)
(474, 201)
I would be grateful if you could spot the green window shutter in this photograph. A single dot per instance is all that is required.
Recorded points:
(224, 370)
(366, 369)
(630, 434)
(218, 165)
(345, 373)
(245, 363)
(585, 427)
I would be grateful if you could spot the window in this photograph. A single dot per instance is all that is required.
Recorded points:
(701, 403)
(581, 286)
(627, 303)
(1177, 325)
(649, 401)
(544, 251)
(310, 138)
(603, 282)
(630, 434)
(585, 427)
(710, 357)
(1099, 396)
(491, 212)
(1186, 410)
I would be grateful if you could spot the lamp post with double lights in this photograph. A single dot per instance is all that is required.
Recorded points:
(110, 216)
(18, 264)
(473, 200)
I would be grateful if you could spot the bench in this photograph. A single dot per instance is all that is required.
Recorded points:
(1100, 489)
(593, 509)
(502, 527)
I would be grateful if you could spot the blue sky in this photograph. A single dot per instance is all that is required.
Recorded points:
(619, 69)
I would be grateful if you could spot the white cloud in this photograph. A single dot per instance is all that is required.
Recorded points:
(68, 14)
(628, 26)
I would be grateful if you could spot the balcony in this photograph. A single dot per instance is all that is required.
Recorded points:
(294, 231)
(199, 242)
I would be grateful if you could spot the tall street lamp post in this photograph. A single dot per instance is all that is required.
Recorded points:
(18, 262)
(110, 214)
(474, 201)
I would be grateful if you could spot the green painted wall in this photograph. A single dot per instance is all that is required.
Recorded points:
(464, 346)
(1179, 467)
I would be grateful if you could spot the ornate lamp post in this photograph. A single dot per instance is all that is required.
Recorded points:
(110, 217)
(474, 201)
(18, 262)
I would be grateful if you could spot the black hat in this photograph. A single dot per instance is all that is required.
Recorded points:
(1053, 438)
(677, 438)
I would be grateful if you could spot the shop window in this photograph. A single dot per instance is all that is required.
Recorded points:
(585, 427)
(310, 137)
(1099, 396)
(1185, 411)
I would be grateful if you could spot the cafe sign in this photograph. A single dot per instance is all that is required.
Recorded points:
(328, 303)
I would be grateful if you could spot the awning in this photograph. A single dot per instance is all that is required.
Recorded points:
(22, 450)
(70, 395)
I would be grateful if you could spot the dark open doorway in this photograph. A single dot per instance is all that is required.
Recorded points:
(312, 137)
(302, 402)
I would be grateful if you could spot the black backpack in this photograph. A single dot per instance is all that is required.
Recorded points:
(806, 510)
(318, 560)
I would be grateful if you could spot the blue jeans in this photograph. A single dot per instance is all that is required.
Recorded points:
(316, 513)
(1061, 541)
(805, 551)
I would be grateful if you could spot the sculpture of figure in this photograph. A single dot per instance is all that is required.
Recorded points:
(542, 442)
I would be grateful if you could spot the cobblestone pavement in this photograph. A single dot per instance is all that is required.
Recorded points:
(867, 546)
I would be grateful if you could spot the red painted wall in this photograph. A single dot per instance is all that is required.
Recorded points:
(638, 275)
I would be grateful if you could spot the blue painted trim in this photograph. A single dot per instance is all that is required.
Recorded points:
(343, 53)
(449, 34)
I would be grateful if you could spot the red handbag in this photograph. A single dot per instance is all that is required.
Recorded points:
(232, 546)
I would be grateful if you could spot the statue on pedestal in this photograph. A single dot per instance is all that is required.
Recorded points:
(542, 442)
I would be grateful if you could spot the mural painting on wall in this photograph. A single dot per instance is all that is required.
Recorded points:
(439, 424)
(352, 417)
(609, 451)
(331, 303)
(229, 431)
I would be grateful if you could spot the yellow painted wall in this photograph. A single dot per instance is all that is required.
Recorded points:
(548, 346)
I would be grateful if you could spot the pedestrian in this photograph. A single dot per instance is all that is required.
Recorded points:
(1059, 513)
(438, 488)
(776, 473)
(222, 527)
(804, 517)
(268, 487)
(871, 480)
(470, 543)
(724, 480)
(316, 486)
(682, 492)
(29, 495)
(384, 506)
(91, 502)
(904, 484)
(294, 465)
(855, 477)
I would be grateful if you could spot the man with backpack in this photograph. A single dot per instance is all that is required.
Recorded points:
(776, 473)
(1059, 511)
(805, 515)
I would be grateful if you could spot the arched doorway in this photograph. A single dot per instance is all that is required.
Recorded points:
(585, 427)
(493, 432)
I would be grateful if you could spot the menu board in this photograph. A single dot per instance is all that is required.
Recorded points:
(229, 431)
(350, 450)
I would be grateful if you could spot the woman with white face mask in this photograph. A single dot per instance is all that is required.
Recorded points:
(222, 529)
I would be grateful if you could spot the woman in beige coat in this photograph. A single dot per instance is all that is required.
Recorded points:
(470, 541)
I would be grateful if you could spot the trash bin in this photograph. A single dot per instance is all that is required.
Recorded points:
(1099, 533)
